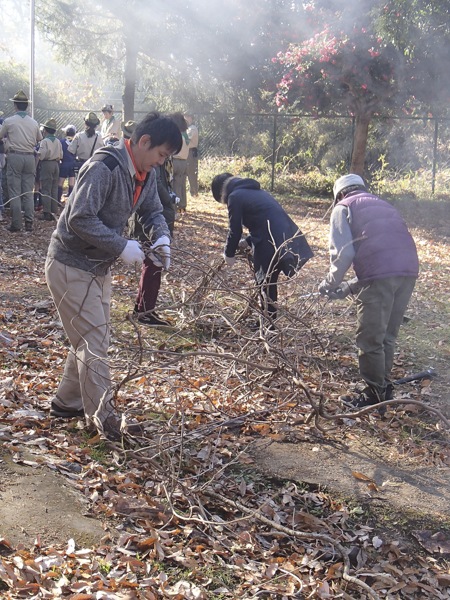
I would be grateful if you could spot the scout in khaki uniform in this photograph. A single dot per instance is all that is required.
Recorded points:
(111, 130)
(192, 166)
(86, 142)
(23, 135)
(50, 153)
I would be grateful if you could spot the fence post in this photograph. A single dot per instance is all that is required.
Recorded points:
(274, 149)
(433, 179)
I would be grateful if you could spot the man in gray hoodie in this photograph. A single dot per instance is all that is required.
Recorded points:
(118, 181)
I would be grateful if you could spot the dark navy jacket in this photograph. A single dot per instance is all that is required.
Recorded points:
(383, 245)
(68, 158)
(269, 226)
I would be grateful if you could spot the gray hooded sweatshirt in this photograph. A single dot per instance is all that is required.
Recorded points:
(89, 232)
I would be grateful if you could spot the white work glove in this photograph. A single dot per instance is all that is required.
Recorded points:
(229, 260)
(174, 198)
(161, 252)
(243, 244)
(132, 253)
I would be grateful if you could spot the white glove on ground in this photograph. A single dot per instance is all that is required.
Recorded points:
(229, 260)
(161, 256)
(132, 253)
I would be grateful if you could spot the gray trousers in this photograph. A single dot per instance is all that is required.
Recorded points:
(380, 306)
(192, 171)
(20, 172)
(179, 180)
(49, 185)
(83, 303)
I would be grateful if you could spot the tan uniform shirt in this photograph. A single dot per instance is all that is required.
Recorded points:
(184, 152)
(50, 150)
(111, 128)
(22, 131)
(82, 146)
(193, 136)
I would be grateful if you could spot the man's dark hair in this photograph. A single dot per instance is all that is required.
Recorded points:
(21, 105)
(90, 129)
(71, 131)
(161, 129)
(217, 185)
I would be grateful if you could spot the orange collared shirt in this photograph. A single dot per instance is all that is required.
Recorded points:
(140, 177)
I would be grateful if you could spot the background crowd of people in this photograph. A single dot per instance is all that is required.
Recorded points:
(35, 164)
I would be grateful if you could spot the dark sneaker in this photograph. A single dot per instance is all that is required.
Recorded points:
(364, 399)
(63, 413)
(389, 394)
(12, 229)
(46, 217)
(151, 320)
(29, 227)
(111, 427)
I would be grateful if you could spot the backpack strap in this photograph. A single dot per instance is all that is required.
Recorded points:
(107, 159)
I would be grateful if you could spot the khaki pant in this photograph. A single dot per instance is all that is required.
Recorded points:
(179, 180)
(49, 185)
(192, 171)
(83, 303)
(380, 309)
(20, 172)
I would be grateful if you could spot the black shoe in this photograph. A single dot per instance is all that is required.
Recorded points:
(111, 428)
(29, 227)
(151, 320)
(389, 394)
(12, 229)
(366, 398)
(62, 413)
(46, 217)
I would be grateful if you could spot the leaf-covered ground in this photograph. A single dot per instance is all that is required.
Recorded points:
(185, 511)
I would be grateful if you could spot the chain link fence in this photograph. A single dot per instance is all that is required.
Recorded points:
(287, 143)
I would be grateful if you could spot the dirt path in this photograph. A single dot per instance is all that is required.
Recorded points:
(40, 503)
(403, 486)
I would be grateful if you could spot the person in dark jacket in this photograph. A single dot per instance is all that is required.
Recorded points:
(370, 233)
(277, 243)
(66, 170)
(150, 281)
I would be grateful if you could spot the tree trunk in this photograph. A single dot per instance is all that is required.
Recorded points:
(130, 77)
(360, 142)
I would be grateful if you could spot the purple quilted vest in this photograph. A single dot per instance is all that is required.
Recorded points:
(383, 245)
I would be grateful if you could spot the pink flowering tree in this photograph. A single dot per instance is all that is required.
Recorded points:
(336, 72)
(369, 56)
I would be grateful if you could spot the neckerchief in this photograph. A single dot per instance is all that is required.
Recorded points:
(140, 177)
(186, 137)
(21, 113)
(50, 137)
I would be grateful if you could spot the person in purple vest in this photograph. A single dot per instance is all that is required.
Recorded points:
(370, 233)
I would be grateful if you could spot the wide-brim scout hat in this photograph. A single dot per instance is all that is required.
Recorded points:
(107, 108)
(50, 124)
(1, 113)
(128, 128)
(91, 119)
(20, 97)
